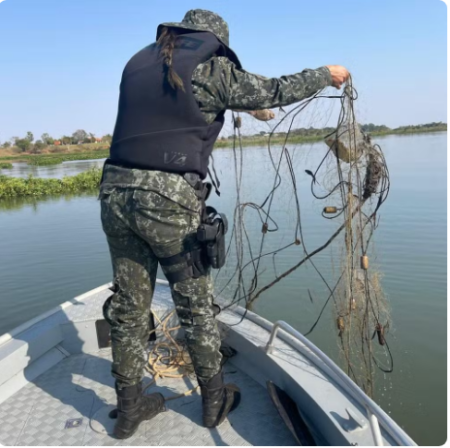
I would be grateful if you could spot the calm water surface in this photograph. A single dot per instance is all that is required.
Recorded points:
(53, 249)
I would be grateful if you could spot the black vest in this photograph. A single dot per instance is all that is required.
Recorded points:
(158, 128)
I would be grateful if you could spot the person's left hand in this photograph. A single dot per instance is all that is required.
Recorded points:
(262, 115)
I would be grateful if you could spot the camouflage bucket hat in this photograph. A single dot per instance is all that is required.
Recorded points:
(202, 20)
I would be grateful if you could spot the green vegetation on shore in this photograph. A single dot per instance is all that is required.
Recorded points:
(411, 129)
(41, 160)
(310, 135)
(261, 140)
(34, 186)
(81, 145)
(29, 144)
(5, 165)
(54, 159)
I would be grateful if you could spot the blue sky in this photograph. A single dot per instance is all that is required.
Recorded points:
(61, 60)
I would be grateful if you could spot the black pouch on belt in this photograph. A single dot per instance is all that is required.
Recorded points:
(211, 233)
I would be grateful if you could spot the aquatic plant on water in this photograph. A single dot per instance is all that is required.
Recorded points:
(34, 186)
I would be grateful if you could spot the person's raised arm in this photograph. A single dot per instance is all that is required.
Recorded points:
(247, 91)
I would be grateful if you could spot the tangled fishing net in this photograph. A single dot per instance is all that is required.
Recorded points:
(348, 187)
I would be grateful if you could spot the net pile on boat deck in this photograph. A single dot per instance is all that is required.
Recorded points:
(351, 183)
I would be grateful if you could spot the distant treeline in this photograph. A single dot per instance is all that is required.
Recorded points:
(28, 144)
(307, 135)
(427, 127)
(368, 128)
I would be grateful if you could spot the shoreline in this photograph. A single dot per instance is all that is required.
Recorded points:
(278, 140)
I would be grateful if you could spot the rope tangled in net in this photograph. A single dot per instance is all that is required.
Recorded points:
(354, 180)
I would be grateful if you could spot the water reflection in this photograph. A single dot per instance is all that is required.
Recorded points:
(36, 202)
(69, 168)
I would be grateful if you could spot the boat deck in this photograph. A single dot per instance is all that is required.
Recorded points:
(78, 388)
(56, 387)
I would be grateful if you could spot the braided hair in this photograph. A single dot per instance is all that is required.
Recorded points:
(166, 42)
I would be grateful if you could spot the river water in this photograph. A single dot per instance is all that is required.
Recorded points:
(53, 249)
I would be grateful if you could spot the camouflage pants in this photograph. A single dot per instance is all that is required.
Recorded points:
(140, 226)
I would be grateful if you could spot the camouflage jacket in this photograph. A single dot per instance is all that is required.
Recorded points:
(217, 85)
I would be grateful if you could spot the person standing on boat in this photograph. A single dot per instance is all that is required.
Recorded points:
(173, 96)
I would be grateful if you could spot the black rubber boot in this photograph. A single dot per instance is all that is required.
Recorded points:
(133, 408)
(218, 400)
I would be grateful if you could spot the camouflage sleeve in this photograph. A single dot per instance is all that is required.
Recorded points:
(218, 84)
(252, 92)
(210, 82)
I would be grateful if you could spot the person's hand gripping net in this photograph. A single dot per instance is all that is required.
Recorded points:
(339, 75)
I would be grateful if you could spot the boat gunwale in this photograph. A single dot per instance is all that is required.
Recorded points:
(28, 324)
(311, 352)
